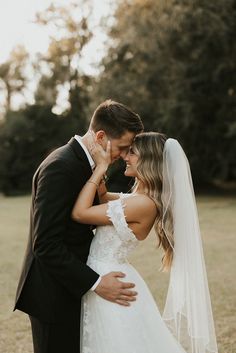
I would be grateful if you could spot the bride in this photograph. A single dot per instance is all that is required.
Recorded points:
(162, 196)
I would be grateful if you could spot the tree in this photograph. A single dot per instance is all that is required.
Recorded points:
(28, 135)
(60, 66)
(12, 75)
(26, 138)
(174, 63)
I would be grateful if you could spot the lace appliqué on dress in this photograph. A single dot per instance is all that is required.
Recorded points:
(115, 212)
(113, 243)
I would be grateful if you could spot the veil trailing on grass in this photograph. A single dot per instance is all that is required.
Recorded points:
(187, 311)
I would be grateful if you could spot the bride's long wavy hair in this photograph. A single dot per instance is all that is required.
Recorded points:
(149, 147)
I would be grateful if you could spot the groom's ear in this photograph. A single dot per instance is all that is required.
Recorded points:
(100, 137)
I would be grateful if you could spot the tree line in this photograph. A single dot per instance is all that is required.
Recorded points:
(173, 63)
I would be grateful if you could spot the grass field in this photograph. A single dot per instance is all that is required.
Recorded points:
(218, 225)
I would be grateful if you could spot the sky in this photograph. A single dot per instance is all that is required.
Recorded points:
(17, 27)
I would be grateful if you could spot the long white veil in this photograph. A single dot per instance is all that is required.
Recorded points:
(187, 311)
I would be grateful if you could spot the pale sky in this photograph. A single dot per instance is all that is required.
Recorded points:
(17, 27)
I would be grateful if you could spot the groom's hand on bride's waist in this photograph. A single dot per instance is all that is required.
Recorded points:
(116, 291)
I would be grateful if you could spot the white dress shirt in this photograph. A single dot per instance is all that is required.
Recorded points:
(92, 164)
(90, 159)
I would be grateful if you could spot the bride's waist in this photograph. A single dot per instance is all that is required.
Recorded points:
(105, 260)
(104, 267)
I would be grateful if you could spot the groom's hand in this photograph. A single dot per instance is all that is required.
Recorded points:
(116, 291)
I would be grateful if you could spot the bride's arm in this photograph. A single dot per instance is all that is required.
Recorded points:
(83, 210)
(138, 209)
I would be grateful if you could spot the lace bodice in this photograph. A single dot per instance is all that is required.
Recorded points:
(113, 243)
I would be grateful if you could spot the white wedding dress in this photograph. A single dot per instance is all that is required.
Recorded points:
(110, 328)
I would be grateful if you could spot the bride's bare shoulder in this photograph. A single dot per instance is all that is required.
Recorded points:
(140, 204)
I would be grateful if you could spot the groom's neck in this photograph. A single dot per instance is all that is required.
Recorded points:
(84, 139)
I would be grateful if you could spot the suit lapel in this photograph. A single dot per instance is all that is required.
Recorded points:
(78, 150)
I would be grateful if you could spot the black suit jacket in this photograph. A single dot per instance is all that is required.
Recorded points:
(54, 275)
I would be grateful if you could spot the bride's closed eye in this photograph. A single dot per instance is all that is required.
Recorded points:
(131, 151)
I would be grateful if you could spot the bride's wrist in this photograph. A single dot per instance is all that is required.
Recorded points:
(100, 169)
(98, 175)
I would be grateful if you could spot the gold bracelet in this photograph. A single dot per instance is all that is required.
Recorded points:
(93, 182)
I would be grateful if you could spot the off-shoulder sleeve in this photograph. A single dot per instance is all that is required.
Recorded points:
(115, 212)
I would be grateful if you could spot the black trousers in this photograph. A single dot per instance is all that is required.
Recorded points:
(55, 338)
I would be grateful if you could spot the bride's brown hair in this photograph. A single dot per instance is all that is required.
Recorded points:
(149, 147)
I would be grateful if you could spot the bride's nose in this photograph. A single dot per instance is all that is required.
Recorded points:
(126, 158)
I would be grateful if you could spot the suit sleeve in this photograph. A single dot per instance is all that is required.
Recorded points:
(51, 212)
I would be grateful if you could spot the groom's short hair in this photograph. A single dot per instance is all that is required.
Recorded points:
(115, 119)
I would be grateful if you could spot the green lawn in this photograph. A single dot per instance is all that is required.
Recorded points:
(218, 225)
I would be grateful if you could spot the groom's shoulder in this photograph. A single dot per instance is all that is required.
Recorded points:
(59, 153)
(61, 157)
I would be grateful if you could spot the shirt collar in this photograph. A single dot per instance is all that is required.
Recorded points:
(90, 159)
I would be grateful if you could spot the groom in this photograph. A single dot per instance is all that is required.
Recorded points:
(55, 275)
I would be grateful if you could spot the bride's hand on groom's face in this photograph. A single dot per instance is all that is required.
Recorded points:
(100, 156)
(116, 291)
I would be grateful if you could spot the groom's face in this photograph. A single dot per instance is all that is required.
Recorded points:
(119, 146)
